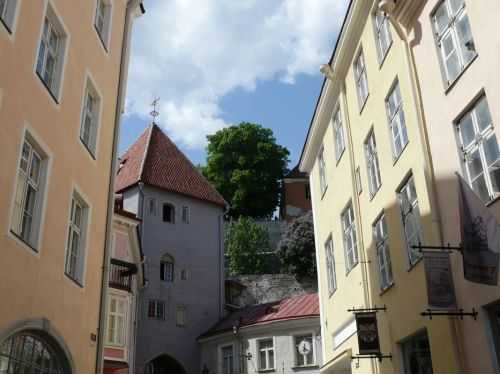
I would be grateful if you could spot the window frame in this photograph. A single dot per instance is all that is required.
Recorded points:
(167, 269)
(296, 353)
(323, 181)
(125, 315)
(185, 214)
(478, 144)
(338, 133)
(349, 234)
(267, 354)
(222, 358)
(450, 30)
(105, 39)
(8, 15)
(396, 116)
(372, 163)
(183, 309)
(382, 249)
(156, 309)
(360, 76)
(383, 28)
(90, 89)
(331, 272)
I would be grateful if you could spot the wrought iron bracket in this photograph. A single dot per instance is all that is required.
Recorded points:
(448, 248)
(367, 310)
(457, 313)
(379, 357)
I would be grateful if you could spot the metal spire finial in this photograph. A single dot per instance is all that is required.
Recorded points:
(154, 113)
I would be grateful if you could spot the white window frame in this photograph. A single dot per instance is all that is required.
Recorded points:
(8, 14)
(94, 114)
(382, 34)
(296, 353)
(322, 171)
(450, 32)
(104, 33)
(338, 133)
(55, 24)
(167, 269)
(181, 315)
(157, 309)
(152, 206)
(269, 364)
(113, 337)
(349, 237)
(222, 359)
(410, 214)
(185, 214)
(359, 183)
(482, 135)
(372, 163)
(361, 79)
(381, 239)
(74, 267)
(330, 266)
(397, 120)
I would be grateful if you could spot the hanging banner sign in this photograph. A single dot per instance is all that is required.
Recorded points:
(480, 234)
(440, 288)
(368, 339)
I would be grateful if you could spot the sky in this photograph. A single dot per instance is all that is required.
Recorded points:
(216, 63)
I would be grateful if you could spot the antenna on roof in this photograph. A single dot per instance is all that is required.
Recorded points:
(154, 113)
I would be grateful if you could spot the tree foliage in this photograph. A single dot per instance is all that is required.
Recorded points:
(246, 166)
(296, 249)
(245, 241)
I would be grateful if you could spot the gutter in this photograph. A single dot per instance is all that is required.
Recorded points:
(131, 6)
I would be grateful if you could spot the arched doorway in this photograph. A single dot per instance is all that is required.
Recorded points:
(164, 364)
(31, 351)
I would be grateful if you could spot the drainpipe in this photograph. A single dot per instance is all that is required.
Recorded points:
(388, 6)
(131, 6)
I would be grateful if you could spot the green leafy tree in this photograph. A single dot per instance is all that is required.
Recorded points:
(245, 243)
(246, 166)
(296, 249)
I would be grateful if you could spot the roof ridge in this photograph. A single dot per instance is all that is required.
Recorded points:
(146, 149)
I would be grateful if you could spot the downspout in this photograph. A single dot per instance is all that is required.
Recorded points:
(131, 6)
(388, 8)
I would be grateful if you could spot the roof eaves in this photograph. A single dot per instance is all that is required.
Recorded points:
(146, 150)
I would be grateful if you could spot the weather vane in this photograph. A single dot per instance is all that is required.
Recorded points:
(154, 113)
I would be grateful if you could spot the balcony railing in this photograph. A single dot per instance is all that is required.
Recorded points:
(120, 274)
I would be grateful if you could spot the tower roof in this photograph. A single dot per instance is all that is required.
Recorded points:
(156, 161)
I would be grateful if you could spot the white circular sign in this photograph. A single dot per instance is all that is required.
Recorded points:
(304, 347)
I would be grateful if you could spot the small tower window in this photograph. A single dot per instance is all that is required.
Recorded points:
(168, 213)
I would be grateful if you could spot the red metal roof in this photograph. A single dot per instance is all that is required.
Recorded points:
(155, 160)
(287, 309)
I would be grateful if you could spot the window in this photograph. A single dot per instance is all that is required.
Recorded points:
(417, 355)
(350, 241)
(372, 164)
(396, 118)
(102, 21)
(117, 320)
(184, 274)
(479, 148)
(185, 214)
(152, 207)
(168, 213)
(75, 252)
(304, 350)
(453, 37)
(410, 213)
(227, 355)
(361, 79)
(90, 118)
(338, 134)
(7, 13)
(382, 34)
(381, 238)
(51, 53)
(167, 268)
(180, 316)
(29, 194)
(266, 354)
(29, 353)
(156, 309)
(359, 185)
(330, 267)
(322, 171)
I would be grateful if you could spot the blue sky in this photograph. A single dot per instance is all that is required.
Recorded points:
(225, 62)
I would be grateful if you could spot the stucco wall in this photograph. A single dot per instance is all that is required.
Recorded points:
(196, 247)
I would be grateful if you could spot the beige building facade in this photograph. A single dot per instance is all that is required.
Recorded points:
(62, 74)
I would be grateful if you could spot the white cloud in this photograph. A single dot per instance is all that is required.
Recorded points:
(191, 53)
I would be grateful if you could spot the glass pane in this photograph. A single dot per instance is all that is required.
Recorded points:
(28, 349)
(271, 359)
(474, 164)
(494, 171)
(49, 70)
(112, 306)
(451, 58)
(53, 41)
(491, 150)
(467, 130)
(441, 18)
(483, 114)
(465, 37)
(29, 205)
(77, 220)
(41, 57)
(25, 157)
(479, 186)
(262, 355)
(456, 5)
(35, 168)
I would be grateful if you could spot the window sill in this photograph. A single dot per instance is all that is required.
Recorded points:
(48, 89)
(305, 367)
(382, 60)
(337, 161)
(386, 289)
(88, 149)
(352, 268)
(493, 201)
(330, 294)
(266, 370)
(324, 192)
(395, 158)
(413, 265)
(452, 84)
(9, 30)
(100, 39)
(23, 242)
(372, 195)
(73, 280)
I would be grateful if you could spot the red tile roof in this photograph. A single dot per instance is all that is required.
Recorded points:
(297, 307)
(155, 160)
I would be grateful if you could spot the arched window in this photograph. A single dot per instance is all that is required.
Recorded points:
(168, 213)
(167, 268)
(28, 352)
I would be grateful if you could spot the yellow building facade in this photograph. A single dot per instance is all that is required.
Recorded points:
(63, 66)
(371, 182)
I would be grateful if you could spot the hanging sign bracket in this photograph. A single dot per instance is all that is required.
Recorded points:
(457, 313)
